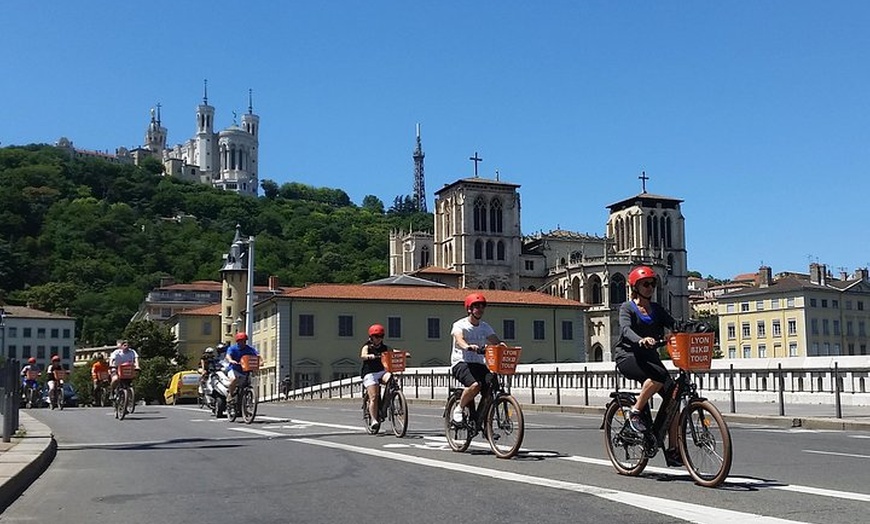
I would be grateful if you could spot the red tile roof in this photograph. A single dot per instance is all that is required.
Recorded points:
(426, 294)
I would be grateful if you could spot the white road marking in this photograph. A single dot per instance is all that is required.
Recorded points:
(261, 432)
(672, 508)
(836, 454)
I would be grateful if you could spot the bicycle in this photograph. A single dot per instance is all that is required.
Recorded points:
(245, 402)
(31, 390)
(704, 440)
(101, 389)
(55, 396)
(123, 400)
(498, 413)
(393, 405)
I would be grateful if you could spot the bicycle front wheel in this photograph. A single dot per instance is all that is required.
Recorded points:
(624, 446)
(505, 427)
(705, 443)
(121, 400)
(458, 434)
(249, 406)
(397, 413)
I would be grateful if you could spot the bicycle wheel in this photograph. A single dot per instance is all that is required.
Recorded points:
(505, 426)
(121, 400)
(131, 399)
(233, 406)
(624, 446)
(458, 435)
(249, 406)
(60, 397)
(705, 443)
(397, 413)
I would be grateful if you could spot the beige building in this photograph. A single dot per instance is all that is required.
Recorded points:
(314, 334)
(796, 315)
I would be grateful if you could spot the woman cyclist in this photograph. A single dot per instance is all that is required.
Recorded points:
(372, 371)
(642, 325)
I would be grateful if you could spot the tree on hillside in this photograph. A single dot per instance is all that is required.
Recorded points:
(403, 205)
(151, 339)
(373, 204)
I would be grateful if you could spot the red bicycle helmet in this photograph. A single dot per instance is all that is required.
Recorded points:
(31, 360)
(640, 273)
(241, 335)
(55, 358)
(474, 298)
(376, 330)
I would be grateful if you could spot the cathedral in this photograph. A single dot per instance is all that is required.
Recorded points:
(225, 159)
(478, 244)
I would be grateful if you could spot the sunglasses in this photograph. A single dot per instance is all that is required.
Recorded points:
(648, 283)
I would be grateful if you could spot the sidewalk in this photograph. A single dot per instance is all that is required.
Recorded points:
(24, 458)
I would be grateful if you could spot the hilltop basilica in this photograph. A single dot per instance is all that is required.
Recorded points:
(225, 159)
(478, 244)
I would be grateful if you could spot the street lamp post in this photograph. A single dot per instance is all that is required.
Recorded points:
(2, 333)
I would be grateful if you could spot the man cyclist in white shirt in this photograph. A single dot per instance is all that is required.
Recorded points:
(123, 355)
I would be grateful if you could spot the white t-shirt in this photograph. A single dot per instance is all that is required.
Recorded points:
(472, 335)
(119, 357)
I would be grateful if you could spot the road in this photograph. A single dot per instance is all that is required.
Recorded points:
(311, 462)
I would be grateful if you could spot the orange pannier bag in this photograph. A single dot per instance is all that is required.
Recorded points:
(502, 360)
(32, 375)
(250, 363)
(103, 375)
(691, 351)
(59, 374)
(126, 371)
(393, 360)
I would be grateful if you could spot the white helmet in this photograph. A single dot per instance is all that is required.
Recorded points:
(209, 349)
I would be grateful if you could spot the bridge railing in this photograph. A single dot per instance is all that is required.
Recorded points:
(819, 381)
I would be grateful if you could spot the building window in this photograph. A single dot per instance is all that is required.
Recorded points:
(206, 328)
(837, 327)
(744, 328)
(835, 303)
(732, 352)
(762, 332)
(744, 307)
(66, 333)
(478, 250)
(489, 250)
(567, 330)
(792, 349)
(40, 332)
(25, 351)
(849, 331)
(729, 308)
(762, 351)
(860, 305)
(826, 330)
(345, 326)
(306, 325)
(530, 265)
(759, 305)
(776, 328)
(774, 303)
(732, 332)
(55, 332)
(433, 328)
(12, 332)
(814, 326)
(789, 303)
(509, 330)
(849, 304)
(394, 327)
(40, 352)
(812, 302)
(861, 331)
(499, 250)
(814, 349)
(747, 351)
(792, 327)
(538, 330)
(824, 302)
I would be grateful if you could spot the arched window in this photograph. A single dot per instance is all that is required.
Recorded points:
(499, 250)
(479, 214)
(670, 263)
(491, 284)
(649, 231)
(495, 216)
(663, 231)
(424, 256)
(668, 234)
(489, 249)
(478, 249)
(593, 288)
(617, 289)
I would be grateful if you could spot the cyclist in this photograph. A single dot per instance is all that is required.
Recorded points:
(470, 335)
(234, 361)
(52, 383)
(30, 366)
(372, 370)
(286, 384)
(124, 354)
(642, 325)
(99, 373)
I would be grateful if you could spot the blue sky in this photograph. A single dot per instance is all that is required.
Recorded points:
(754, 113)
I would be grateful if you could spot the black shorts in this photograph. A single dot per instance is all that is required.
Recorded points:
(469, 373)
(643, 365)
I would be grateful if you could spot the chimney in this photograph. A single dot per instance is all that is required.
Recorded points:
(815, 273)
(862, 274)
(844, 275)
(273, 283)
(763, 277)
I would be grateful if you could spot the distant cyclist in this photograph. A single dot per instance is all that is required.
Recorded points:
(470, 335)
(642, 325)
(233, 360)
(29, 373)
(52, 382)
(124, 354)
(99, 373)
(372, 369)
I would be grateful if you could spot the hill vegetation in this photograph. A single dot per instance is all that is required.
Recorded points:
(89, 238)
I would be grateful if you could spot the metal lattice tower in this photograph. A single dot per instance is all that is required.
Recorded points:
(419, 183)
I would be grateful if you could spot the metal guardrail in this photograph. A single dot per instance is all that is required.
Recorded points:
(813, 385)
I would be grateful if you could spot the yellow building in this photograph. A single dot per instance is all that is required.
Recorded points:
(314, 334)
(796, 315)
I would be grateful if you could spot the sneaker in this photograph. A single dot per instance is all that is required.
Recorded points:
(635, 420)
(673, 458)
(457, 415)
(375, 426)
